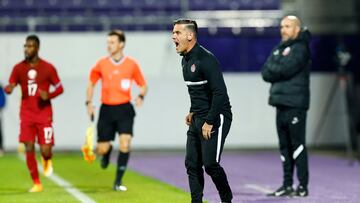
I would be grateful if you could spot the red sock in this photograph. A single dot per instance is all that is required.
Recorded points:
(32, 166)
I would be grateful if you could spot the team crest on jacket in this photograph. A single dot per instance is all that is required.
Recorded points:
(193, 68)
(286, 51)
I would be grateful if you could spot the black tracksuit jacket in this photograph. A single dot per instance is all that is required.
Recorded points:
(206, 86)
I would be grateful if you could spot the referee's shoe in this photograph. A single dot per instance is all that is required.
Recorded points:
(282, 191)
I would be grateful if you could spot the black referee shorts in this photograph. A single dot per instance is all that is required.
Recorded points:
(115, 119)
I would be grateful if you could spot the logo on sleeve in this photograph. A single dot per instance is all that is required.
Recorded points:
(286, 51)
(193, 68)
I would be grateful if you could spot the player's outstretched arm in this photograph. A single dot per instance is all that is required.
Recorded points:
(9, 88)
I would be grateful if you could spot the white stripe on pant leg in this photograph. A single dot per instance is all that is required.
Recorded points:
(218, 148)
(282, 158)
(298, 151)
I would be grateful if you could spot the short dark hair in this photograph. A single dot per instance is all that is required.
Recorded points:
(34, 38)
(119, 33)
(190, 24)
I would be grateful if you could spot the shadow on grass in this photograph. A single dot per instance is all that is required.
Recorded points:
(7, 191)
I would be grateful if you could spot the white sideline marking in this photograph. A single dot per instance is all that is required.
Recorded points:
(82, 197)
(258, 188)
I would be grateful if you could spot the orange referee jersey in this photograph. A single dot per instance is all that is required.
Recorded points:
(116, 78)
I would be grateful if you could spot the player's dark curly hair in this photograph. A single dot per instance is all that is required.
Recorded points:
(34, 38)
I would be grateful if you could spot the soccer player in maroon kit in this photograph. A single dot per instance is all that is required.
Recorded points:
(35, 76)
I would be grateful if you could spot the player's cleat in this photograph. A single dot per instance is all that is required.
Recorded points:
(47, 167)
(301, 191)
(282, 191)
(119, 187)
(21, 149)
(36, 188)
(105, 160)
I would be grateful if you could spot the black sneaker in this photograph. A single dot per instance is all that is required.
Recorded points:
(301, 191)
(105, 160)
(282, 191)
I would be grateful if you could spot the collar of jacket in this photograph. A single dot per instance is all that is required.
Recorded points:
(192, 52)
(289, 42)
(304, 36)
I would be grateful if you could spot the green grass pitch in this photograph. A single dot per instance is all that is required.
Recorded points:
(88, 178)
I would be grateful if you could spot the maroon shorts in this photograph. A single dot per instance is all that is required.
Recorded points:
(43, 133)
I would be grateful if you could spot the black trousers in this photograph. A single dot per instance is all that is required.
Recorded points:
(354, 117)
(207, 153)
(291, 124)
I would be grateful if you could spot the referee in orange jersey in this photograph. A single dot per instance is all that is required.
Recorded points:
(117, 72)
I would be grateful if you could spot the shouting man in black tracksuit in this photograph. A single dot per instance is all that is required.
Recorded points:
(287, 69)
(210, 116)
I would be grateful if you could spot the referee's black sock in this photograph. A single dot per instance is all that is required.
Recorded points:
(106, 158)
(121, 166)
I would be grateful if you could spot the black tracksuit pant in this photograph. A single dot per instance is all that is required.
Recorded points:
(291, 124)
(201, 152)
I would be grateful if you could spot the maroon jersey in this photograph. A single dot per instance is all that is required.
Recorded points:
(31, 80)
